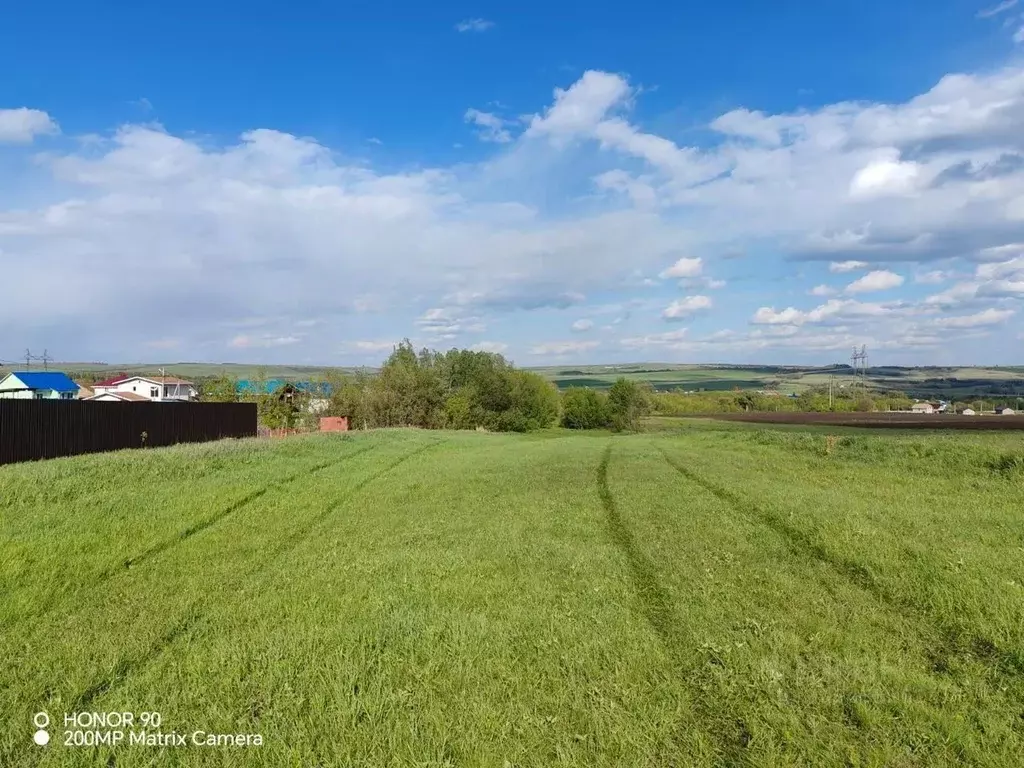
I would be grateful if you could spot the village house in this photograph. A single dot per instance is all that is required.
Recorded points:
(922, 408)
(1004, 410)
(38, 385)
(154, 389)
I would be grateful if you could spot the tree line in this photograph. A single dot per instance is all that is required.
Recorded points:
(458, 389)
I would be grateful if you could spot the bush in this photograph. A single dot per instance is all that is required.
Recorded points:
(584, 408)
(628, 402)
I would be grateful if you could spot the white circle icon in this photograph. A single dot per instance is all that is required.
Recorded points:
(42, 738)
(41, 719)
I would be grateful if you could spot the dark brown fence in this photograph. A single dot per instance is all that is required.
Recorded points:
(45, 429)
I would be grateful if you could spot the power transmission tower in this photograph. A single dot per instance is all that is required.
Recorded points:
(44, 358)
(859, 359)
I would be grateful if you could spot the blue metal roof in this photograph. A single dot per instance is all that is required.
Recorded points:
(58, 382)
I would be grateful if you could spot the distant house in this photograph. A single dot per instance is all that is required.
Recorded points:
(1004, 410)
(968, 412)
(922, 408)
(118, 397)
(155, 389)
(38, 385)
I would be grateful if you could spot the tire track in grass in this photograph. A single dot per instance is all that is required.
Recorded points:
(44, 607)
(292, 541)
(954, 640)
(731, 733)
(655, 601)
(195, 614)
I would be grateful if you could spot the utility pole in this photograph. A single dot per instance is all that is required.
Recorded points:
(830, 380)
(28, 359)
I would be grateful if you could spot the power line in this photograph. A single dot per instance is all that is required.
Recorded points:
(44, 358)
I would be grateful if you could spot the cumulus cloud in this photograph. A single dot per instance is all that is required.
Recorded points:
(22, 125)
(885, 175)
(582, 325)
(876, 280)
(822, 290)
(492, 128)
(990, 316)
(495, 347)
(847, 266)
(832, 311)
(680, 309)
(578, 204)
(684, 267)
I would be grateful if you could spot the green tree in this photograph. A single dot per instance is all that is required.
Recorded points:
(584, 408)
(219, 389)
(628, 402)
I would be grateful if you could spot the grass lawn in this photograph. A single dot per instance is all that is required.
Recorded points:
(707, 594)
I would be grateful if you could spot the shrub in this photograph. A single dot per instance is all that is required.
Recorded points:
(628, 401)
(584, 408)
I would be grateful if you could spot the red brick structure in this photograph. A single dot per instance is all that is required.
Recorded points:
(334, 423)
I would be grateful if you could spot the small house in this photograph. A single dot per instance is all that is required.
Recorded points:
(38, 385)
(1004, 410)
(922, 408)
(157, 389)
(968, 412)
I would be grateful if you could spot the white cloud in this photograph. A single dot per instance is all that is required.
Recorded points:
(986, 317)
(560, 348)
(586, 202)
(495, 347)
(492, 127)
(847, 266)
(684, 267)
(686, 307)
(932, 277)
(877, 280)
(995, 10)
(885, 175)
(822, 290)
(831, 311)
(266, 340)
(22, 125)
(1018, 36)
(655, 339)
(474, 25)
(583, 325)
(581, 107)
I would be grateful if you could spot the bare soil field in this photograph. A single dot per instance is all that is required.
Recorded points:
(880, 420)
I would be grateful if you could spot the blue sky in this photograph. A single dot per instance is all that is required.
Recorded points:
(744, 182)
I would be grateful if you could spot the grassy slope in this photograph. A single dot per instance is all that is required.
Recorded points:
(721, 593)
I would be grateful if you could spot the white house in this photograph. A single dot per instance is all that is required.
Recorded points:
(968, 412)
(156, 389)
(1004, 410)
(922, 408)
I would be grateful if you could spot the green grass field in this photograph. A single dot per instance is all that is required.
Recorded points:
(708, 594)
